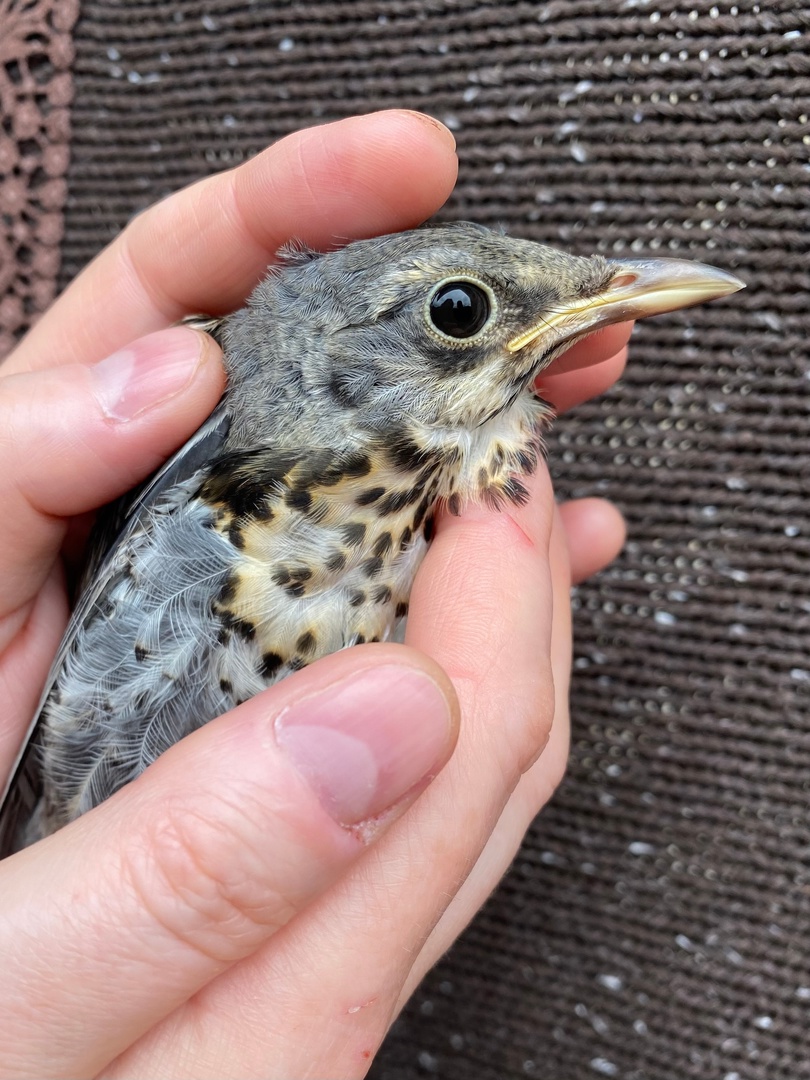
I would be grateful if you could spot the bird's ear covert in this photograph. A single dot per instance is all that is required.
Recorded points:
(460, 308)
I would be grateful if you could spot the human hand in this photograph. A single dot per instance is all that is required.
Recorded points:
(213, 919)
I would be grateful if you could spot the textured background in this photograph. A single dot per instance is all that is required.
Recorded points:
(656, 923)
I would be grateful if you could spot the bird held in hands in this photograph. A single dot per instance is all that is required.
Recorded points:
(366, 386)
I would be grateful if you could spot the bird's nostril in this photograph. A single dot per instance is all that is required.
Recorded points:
(622, 280)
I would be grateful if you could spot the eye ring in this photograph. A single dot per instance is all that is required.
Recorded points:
(459, 309)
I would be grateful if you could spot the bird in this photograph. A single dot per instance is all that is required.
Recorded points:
(366, 387)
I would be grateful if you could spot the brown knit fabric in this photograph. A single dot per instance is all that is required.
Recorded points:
(656, 924)
(35, 89)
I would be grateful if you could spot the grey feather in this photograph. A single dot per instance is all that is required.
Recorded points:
(114, 533)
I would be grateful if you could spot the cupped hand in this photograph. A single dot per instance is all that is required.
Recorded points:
(264, 898)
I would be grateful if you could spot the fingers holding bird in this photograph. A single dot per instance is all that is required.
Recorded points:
(204, 248)
(75, 437)
(71, 439)
(200, 863)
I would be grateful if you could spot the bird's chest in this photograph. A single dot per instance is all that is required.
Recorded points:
(327, 554)
(318, 574)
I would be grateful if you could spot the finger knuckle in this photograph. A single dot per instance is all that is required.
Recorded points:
(199, 873)
(533, 709)
(554, 768)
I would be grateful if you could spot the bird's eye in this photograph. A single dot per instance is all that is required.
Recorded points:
(459, 309)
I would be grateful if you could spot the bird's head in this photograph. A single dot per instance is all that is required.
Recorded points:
(446, 325)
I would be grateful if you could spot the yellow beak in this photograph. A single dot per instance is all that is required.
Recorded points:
(638, 288)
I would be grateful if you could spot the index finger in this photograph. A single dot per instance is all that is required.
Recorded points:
(204, 248)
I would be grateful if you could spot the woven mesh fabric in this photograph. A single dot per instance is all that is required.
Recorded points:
(35, 89)
(656, 923)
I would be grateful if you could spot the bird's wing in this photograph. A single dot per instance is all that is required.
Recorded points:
(111, 520)
(118, 525)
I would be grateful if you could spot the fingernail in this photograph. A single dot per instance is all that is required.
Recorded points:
(435, 125)
(148, 372)
(363, 743)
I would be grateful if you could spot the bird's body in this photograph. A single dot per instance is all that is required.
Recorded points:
(365, 387)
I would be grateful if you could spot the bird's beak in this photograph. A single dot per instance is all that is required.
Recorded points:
(638, 288)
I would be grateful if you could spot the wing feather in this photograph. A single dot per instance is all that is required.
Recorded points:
(118, 524)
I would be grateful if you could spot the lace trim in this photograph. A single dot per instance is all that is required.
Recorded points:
(36, 52)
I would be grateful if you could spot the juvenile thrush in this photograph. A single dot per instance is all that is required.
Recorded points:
(365, 387)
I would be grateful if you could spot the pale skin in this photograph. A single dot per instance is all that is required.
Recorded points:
(213, 919)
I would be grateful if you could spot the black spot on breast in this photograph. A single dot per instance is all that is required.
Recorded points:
(357, 598)
(271, 663)
(141, 653)
(404, 453)
(306, 643)
(366, 498)
(336, 562)
(454, 504)
(243, 627)
(372, 567)
(382, 595)
(357, 465)
(401, 609)
(241, 480)
(383, 544)
(225, 686)
(360, 639)
(227, 592)
(514, 490)
(298, 499)
(318, 468)
(397, 500)
(322, 470)
(527, 461)
(292, 578)
(428, 528)
(354, 533)
(326, 468)
(235, 537)
(421, 510)
(297, 663)
(405, 539)
(493, 496)
(426, 476)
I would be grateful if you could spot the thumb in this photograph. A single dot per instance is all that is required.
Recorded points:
(119, 918)
(74, 437)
